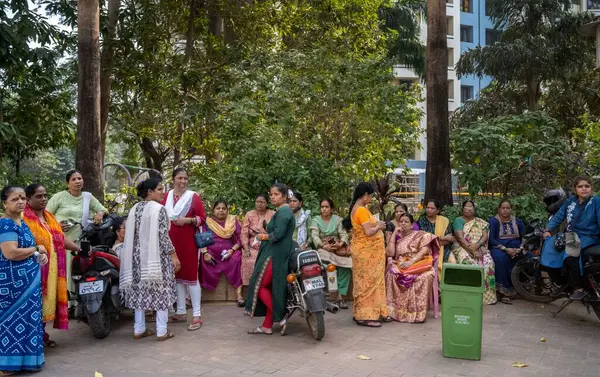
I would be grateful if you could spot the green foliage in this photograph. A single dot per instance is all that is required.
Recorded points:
(510, 154)
(526, 207)
(36, 100)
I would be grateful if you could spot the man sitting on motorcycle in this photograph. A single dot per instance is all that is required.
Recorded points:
(582, 213)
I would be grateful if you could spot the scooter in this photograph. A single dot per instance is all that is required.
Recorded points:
(538, 283)
(308, 281)
(95, 273)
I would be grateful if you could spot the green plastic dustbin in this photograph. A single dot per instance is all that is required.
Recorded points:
(462, 310)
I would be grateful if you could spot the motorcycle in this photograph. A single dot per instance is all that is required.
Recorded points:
(95, 273)
(538, 283)
(308, 281)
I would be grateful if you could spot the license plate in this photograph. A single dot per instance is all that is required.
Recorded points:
(91, 287)
(314, 283)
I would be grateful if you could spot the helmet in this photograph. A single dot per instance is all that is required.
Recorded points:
(554, 199)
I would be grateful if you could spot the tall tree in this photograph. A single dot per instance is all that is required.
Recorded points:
(88, 157)
(107, 62)
(539, 43)
(438, 175)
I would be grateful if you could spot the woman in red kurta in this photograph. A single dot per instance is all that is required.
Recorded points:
(186, 212)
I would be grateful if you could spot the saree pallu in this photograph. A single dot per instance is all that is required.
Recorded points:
(473, 231)
(368, 269)
(408, 290)
(21, 335)
(54, 274)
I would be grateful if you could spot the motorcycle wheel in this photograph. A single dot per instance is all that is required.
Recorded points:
(596, 307)
(99, 323)
(528, 285)
(316, 324)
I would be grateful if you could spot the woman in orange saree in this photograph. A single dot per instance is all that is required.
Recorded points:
(409, 275)
(48, 232)
(368, 260)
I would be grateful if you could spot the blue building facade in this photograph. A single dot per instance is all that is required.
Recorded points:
(476, 29)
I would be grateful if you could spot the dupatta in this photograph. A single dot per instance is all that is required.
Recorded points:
(225, 232)
(52, 238)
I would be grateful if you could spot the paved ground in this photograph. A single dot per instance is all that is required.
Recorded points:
(222, 348)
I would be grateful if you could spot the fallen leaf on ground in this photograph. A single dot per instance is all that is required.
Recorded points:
(518, 364)
(543, 340)
(98, 374)
(363, 357)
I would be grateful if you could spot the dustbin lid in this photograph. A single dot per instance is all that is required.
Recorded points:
(463, 277)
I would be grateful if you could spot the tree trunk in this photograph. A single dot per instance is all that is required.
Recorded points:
(107, 63)
(154, 160)
(438, 179)
(88, 156)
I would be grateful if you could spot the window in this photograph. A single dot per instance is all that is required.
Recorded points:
(466, 93)
(466, 33)
(450, 26)
(466, 6)
(451, 58)
(593, 5)
(451, 90)
(491, 36)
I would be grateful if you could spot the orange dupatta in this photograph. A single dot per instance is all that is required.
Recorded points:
(52, 238)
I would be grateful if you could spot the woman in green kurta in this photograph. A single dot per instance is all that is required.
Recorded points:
(74, 206)
(268, 286)
(331, 240)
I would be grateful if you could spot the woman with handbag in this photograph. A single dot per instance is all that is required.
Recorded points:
(331, 240)
(186, 213)
(224, 256)
(409, 272)
(582, 213)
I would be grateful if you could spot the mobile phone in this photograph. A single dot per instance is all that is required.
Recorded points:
(390, 227)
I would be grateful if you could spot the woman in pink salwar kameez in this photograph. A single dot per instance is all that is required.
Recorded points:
(255, 222)
(225, 255)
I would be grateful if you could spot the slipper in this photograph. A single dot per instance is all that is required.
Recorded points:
(178, 318)
(506, 300)
(143, 335)
(387, 319)
(241, 303)
(260, 331)
(369, 323)
(342, 304)
(195, 325)
(50, 344)
(167, 336)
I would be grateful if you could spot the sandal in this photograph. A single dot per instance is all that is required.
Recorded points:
(167, 336)
(241, 302)
(369, 323)
(143, 335)
(259, 330)
(50, 344)
(505, 300)
(195, 325)
(178, 318)
(386, 319)
(342, 304)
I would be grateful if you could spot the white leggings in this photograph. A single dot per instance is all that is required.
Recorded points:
(139, 326)
(195, 296)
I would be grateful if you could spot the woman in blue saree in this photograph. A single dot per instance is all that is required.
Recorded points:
(21, 333)
(506, 231)
(582, 212)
